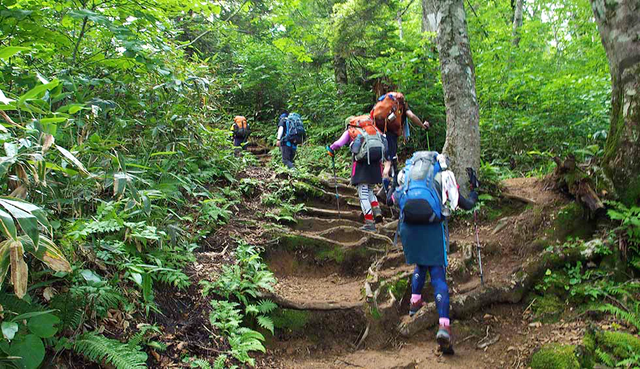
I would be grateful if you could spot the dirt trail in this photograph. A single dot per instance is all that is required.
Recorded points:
(337, 283)
(325, 289)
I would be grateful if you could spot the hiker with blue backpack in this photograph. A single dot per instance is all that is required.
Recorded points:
(291, 133)
(427, 192)
(368, 147)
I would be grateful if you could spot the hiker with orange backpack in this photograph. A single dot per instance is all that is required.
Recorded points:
(241, 131)
(368, 147)
(391, 115)
(426, 194)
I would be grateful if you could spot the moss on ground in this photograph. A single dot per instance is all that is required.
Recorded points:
(571, 222)
(549, 308)
(291, 320)
(555, 356)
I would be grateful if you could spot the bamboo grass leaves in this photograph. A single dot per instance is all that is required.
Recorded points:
(30, 220)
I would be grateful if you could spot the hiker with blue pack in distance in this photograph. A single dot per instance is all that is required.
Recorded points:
(427, 192)
(392, 115)
(368, 147)
(291, 133)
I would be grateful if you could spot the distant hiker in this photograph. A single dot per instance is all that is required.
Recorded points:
(390, 115)
(291, 133)
(241, 131)
(427, 192)
(368, 147)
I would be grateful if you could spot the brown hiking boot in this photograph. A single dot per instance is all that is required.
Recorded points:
(443, 337)
(377, 214)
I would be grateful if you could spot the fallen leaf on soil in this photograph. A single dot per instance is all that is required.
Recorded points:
(535, 324)
(48, 293)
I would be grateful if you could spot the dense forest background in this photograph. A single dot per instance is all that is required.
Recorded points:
(115, 126)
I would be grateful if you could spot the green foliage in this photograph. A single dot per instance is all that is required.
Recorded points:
(629, 229)
(98, 348)
(555, 356)
(24, 332)
(244, 279)
(614, 349)
(226, 317)
(197, 363)
(628, 314)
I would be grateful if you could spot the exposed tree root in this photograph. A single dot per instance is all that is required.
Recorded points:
(518, 198)
(511, 292)
(327, 213)
(311, 305)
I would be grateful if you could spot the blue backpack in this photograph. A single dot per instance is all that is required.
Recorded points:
(294, 132)
(418, 197)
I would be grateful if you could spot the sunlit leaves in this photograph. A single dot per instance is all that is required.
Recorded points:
(7, 52)
(288, 45)
(37, 90)
(72, 158)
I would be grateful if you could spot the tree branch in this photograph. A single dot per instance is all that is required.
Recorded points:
(476, 14)
(207, 31)
(405, 9)
(82, 32)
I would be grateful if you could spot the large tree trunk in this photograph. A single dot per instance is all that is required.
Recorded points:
(430, 18)
(619, 26)
(462, 143)
(340, 70)
(517, 22)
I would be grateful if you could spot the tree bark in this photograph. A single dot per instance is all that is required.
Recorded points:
(430, 18)
(340, 70)
(462, 144)
(517, 22)
(619, 27)
(399, 20)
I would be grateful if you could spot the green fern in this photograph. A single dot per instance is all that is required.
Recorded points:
(631, 317)
(267, 306)
(71, 311)
(245, 341)
(98, 348)
(220, 362)
(12, 303)
(266, 323)
(605, 358)
(200, 363)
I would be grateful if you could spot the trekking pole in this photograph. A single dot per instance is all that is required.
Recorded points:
(386, 193)
(473, 183)
(428, 143)
(475, 221)
(335, 181)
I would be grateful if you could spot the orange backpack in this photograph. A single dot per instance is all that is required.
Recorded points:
(389, 112)
(241, 122)
(367, 142)
(240, 128)
(361, 122)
